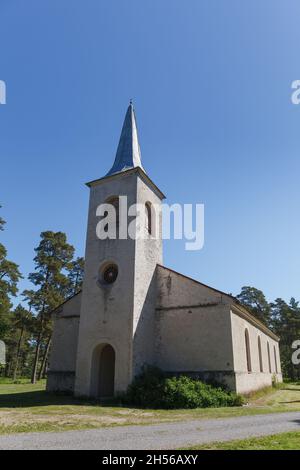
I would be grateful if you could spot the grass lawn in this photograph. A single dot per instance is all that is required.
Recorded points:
(284, 441)
(25, 407)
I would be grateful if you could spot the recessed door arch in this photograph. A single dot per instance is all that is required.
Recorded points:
(103, 371)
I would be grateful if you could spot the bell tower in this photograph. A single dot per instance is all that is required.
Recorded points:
(116, 332)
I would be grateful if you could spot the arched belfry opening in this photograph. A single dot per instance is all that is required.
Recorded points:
(103, 371)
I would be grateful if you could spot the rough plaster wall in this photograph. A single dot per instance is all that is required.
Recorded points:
(196, 338)
(193, 340)
(148, 253)
(247, 382)
(60, 382)
(64, 346)
(106, 312)
(65, 336)
(71, 307)
(175, 290)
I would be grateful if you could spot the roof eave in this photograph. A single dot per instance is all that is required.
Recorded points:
(136, 169)
(244, 313)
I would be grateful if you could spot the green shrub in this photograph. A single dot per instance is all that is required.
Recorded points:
(153, 389)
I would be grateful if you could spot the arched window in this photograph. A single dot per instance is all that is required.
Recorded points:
(261, 367)
(269, 358)
(148, 209)
(248, 354)
(275, 358)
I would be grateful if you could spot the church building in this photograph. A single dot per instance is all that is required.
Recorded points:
(133, 311)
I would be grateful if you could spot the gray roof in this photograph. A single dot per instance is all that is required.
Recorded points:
(128, 153)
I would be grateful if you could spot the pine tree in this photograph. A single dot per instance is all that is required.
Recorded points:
(75, 275)
(52, 261)
(255, 301)
(22, 325)
(285, 320)
(9, 277)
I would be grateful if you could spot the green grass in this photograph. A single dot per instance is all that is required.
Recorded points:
(20, 380)
(284, 441)
(25, 407)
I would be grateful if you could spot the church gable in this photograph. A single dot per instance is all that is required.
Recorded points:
(176, 291)
(70, 308)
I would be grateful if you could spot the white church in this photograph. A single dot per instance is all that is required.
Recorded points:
(133, 311)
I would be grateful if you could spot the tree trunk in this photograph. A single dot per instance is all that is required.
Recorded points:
(18, 354)
(38, 344)
(7, 368)
(42, 371)
(36, 358)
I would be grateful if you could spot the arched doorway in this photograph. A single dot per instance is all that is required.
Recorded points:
(103, 371)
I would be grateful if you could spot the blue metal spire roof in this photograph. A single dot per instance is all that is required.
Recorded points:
(128, 153)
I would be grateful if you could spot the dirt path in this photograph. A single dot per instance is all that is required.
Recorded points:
(160, 436)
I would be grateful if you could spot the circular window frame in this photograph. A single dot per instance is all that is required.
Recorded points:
(102, 280)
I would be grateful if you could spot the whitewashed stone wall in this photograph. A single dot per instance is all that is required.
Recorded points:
(247, 382)
(62, 366)
(193, 332)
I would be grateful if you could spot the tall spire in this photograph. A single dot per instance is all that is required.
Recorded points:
(128, 153)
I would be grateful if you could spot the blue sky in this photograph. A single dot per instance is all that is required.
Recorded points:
(211, 84)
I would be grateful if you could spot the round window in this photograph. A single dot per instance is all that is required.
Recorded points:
(110, 274)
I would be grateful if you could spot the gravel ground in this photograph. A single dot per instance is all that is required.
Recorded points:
(159, 436)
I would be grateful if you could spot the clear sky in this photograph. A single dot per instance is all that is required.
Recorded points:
(211, 84)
